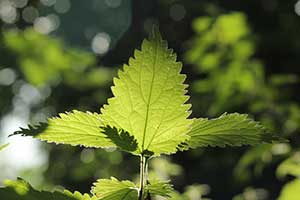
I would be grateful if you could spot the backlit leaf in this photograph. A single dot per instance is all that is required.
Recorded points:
(149, 99)
(21, 190)
(227, 130)
(113, 189)
(74, 128)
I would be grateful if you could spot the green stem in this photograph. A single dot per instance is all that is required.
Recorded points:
(143, 176)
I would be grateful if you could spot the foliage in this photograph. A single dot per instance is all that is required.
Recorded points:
(149, 99)
(148, 104)
(74, 128)
(229, 129)
(110, 189)
(290, 166)
(20, 189)
(34, 50)
(224, 56)
(221, 55)
(271, 30)
(291, 191)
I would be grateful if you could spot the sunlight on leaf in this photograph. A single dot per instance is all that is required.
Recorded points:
(149, 98)
(157, 187)
(21, 190)
(290, 191)
(74, 128)
(227, 130)
(113, 189)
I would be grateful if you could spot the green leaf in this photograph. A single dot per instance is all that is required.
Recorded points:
(74, 128)
(3, 146)
(290, 166)
(113, 189)
(149, 99)
(77, 195)
(290, 191)
(21, 190)
(121, 138)
(227, 130)
(157, 187)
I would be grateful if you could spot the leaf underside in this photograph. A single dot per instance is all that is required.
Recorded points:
(149, 99)
(227, 130)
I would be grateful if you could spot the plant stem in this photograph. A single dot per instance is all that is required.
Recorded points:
(143, 176)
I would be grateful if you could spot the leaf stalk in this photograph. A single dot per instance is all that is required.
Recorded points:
(143, 175)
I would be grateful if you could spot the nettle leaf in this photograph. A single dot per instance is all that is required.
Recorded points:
(78, 196)
(149, 99)
(74, 128)
(121, 138)
(21, 190)
(228, 129)
(113, 189)
(158, 187)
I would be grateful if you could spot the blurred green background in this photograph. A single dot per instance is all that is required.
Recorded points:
(239, 56)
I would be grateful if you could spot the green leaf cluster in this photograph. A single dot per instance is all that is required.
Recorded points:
(75, 67)
(222, 52)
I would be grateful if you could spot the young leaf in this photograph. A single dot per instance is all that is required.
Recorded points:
(228, 129)
(157, 187)
(74, 128)
(21, 190)
(113, 189)
(149, 99)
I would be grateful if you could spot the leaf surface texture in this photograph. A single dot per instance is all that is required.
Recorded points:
(227, 130)
(150, 99)
(74, 128)
(113, 189)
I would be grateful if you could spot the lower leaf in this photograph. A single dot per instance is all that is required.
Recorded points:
(113, 189)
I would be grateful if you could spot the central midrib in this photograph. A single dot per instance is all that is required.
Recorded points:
(149, 98)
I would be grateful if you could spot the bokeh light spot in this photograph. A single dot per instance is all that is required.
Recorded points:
(20, 3)
(7, 76)
(8, 12)
(100, 43)
(48, 2)
(177, 12)
(29, 14)
(46, 25)
(297, 8)
(87, 155)
(55, 21)
(30, 94)
(62, 6)
(113, 3)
